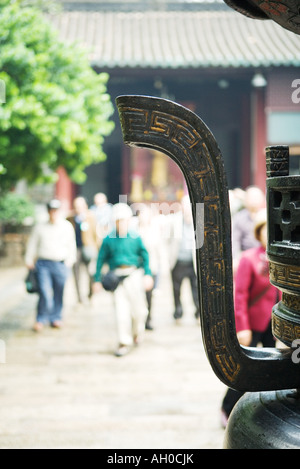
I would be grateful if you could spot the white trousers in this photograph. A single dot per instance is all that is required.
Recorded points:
(131, 308)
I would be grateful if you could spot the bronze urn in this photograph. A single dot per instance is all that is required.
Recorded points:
(268, 415)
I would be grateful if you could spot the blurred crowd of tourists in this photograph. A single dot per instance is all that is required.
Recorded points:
(120, 248)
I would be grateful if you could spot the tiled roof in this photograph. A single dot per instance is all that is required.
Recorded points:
(142, 5)
(178, 39)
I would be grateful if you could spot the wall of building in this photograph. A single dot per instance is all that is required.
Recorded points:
(222, 103)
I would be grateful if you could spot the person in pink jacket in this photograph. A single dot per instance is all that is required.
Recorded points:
(254, 294)
(254, 298)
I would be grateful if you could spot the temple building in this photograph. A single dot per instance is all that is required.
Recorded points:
(240, 75)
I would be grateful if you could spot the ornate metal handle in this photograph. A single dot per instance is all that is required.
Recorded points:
(182, 135)
(284, 12)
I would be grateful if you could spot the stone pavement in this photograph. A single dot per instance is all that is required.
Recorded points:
(65, 389)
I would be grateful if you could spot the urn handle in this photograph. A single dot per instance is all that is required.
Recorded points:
(180, 134)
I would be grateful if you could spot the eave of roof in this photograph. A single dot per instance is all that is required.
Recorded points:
(142, 5)
(178, 40)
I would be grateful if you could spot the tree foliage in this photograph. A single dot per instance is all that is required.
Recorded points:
(15, 209)
(57, 108)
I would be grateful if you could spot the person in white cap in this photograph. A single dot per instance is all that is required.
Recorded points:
(128, 260)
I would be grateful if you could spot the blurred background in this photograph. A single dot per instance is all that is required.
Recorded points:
(62, 64)
(239, 75)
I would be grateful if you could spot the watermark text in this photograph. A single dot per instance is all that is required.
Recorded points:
(169, 228)
(296, 353)
(296, 92)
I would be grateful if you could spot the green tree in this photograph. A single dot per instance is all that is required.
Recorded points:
(15, 209)
(57, 109)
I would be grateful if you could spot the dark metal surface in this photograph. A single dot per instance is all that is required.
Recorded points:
(283, 194)
(268, 420)
(247, 8)
(284, 12)
(182, 135)
(272, 420)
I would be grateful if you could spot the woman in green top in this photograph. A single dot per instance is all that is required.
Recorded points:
(126, 255)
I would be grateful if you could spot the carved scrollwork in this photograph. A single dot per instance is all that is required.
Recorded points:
(183, 136)
(291, 302)
(278, 161)
(285, 276)
(284, 330)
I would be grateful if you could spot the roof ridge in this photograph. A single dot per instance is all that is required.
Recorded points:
(202, 39)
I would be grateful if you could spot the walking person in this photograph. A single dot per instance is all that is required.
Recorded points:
(51, 251)
(182, 256)
(254, 300)
(84, 223)
(128, 260)
(149, 230)
(103, 212)
(243, 223)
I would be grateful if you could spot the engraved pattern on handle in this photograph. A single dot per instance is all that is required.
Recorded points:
(179, 133)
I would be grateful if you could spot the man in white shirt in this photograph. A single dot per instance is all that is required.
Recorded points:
(52, 252)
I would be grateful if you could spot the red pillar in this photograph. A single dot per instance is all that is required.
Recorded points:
(65, 189)
(246, 142)
(259, 138)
